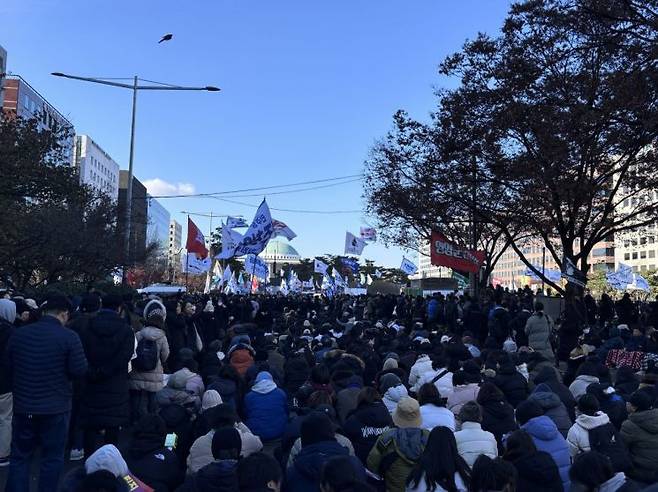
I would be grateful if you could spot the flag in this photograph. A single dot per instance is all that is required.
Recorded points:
(353, 245)
(196, 242)
(194, 265)
(320, 267)
(351, 263)
(217, 275)
(256, 266)
(550, 274)
(368, 233)
(254, 284)
(281, 229)
(230, 240)
(640, 283)
(227, 275)
(378, 274)
(240, 279)
(368, 280)
(362, 279)
(259, 233)
(233, 222)
(446, 253)
(408, 267)
(572, 274)
(206, 287)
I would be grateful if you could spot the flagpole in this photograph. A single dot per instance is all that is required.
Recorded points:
(187, 259)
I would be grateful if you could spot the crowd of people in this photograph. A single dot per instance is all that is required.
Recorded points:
(308, 393)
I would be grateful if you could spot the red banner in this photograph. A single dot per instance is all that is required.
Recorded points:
(196, 242)
(448, 254)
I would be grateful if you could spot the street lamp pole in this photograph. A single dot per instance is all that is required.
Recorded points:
(134, 87)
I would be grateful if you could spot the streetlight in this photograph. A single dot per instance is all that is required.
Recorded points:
(134, 87)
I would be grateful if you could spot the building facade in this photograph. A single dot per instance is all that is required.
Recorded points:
(278, 254)
(95, 167)
(23, 100)
(157, 227)
(175, 242)
(425, 267)
(139, 216)
(3, 72)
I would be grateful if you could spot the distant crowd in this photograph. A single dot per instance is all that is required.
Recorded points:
(312, 394)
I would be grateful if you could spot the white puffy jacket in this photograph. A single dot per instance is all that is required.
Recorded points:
(422, 365)
(433, 416)
(472, 441)
(393, 396)
(578, 435)
(444, 384)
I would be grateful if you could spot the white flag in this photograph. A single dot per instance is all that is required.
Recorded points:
(193, 265)
(625, 273)
(227, 275)
(368, 280)
(362, 279)
(256, 266)
(378, 274)
(320, 267)
(408, 267)
(353, 245)
(230, 239)
(281, 229)
(259, 233)
(368, 233)
(232, 222)
(640, 283)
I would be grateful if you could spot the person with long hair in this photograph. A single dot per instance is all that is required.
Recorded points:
(496, 474)
(440, 467)
(536, 470)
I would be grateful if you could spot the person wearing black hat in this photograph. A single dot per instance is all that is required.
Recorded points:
(42, 359)
(640, 434)
(220, 475)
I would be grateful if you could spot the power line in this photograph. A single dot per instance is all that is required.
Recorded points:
(289, 209)
(293, 191)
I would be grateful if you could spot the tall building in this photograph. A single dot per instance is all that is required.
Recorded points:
(175, 242)
(95, 167)
(3, 71)
(139, 215)
(23, 100)
(425, 267)
(157, 227)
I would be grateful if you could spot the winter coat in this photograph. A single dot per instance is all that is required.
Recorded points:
(151, 380)
(618, 483)
(217, 476)
(579, 386)
(266, 410)
(537, 472)
(640, 433)
(297, 372)
(276, 361)
(178, 420)
(422, 365)
(184, 388)
(433, 416)
(443, 384)
(553, 407)
(155, 465)
(548, 376)
(498, 418)
(472, 441)
(241, 359)
(578, 437)
(109, 345)
(513, 385)
(228, 390)
(208, 327)
(297, 448)
(365, 424)
(201, 451)
(6, 330)
(538, 329)
(547, 438)
(305, 473)
(422, 485)
(408, 445)
(461, 395)
(393, 395)
(346, 401)
(614, 407)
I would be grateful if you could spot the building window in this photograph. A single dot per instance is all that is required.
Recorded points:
(643, 240)
(643, 254)
(652, 254)
(635, 255)
(635, 268)
(627, 256)
(643, 268)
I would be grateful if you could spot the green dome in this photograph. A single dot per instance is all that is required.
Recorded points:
(279, 249)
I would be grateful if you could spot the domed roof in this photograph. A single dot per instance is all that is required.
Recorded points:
(279, 248)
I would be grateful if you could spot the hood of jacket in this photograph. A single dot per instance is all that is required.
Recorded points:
(615, 483)
(218, 475)
(589, 422)
(587, 379)
(545, 374)
(538, 467)
(396, 393)
(107, 458)
(542, 428)
(647, 420)
(543, 394)
(311, 458)
(227, 388)
(263, 387)
(152, 333)
(498, 409)
(179, 379)
(7, 310)
(373, 414)
(410, 443)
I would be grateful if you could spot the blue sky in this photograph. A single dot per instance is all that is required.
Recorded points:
(307, 88)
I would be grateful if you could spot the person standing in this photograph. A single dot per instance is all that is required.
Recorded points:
(7, 317)
(42, 358)
(538, 329)
(109, 344)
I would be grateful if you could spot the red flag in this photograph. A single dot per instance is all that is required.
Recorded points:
(446, 253)
(196, 242)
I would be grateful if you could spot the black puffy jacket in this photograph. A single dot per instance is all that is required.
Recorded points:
(513, 385)
(364, 425)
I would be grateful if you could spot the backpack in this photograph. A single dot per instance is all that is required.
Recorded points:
(147, 355)
(605, 440)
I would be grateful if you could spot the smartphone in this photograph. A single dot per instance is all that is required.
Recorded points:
(171, 440)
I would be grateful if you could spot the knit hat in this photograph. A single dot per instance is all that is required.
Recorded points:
(407, 413)
(641, 400)
(226, 439)
(154, 311)
(211, 398)
(107, 458)
(316, 427)
(388, 381)
(527, 410)
(209, 308)
(390, 364)
(392, 355)
(262, 376)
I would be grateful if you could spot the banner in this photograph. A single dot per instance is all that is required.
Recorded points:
(640, 283)
(227, 275)
(320, 267)
(448, 254)
(408, 267)
(196, 242)
(230, 239)
(362, 279)
(368, 233)
(281, 229)
(353, 245)
(193, 265)
(256, 266)
(259, 233)
(572, 274)
(552, 275)
(232, 222)
(368, 280)
(351, 263)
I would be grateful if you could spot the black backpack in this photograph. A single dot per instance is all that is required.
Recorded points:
(605, 440)
(147, 355)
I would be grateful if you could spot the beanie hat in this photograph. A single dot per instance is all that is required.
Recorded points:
(390, 364)
(262, 376)
(527, 410)
(388, 381)
(641, 400)
(209, 308)
(316, 427)
(226, 439)
(107, 458)
(211, 398)
(407, 413)
(155, 310)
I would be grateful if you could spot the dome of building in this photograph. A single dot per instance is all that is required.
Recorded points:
(280, 251)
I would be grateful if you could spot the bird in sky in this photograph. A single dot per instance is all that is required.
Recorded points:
(166, 37)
